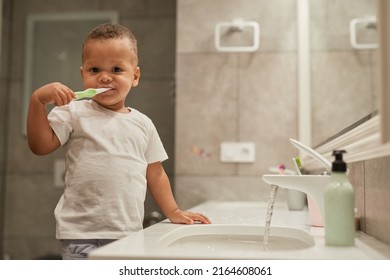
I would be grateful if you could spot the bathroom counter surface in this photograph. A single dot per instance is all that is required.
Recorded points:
(151, 243)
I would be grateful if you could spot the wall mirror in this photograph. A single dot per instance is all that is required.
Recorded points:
(343, 65)
(59, 59)
(344, 98)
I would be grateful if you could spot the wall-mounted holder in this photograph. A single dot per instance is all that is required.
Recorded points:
(370, 23)
(237, 25)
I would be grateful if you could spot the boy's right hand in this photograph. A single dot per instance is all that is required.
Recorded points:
(56, 93)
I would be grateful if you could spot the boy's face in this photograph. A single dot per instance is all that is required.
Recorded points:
(111, 64)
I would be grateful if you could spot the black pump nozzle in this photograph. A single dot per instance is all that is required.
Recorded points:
(339, 164)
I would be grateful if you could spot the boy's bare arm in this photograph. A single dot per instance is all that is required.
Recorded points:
(41, 137)
(160, 188)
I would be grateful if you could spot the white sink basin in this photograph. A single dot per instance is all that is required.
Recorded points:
(237, 238)
(237, 233)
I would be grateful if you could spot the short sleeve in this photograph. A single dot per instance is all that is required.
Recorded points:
(60, 120)
(155, 151)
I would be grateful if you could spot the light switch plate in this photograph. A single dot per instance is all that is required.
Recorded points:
(237, 152)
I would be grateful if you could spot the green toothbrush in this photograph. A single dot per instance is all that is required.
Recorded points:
(298, 165)
(89, 93)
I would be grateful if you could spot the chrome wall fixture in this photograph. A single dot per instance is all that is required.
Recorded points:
(364, 23)
(237, 25)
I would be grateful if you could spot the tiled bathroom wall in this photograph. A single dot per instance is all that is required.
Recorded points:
(233, 96)
(371, 180)
(30, 195)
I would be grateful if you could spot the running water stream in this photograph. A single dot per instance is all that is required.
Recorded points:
(270, 210)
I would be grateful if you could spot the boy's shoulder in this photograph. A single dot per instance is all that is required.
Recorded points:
(139, 115)
(137, 112)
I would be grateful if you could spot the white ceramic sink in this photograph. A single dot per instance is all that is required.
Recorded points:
(237, 238)
(237, 233)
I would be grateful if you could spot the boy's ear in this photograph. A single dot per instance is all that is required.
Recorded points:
(136, 76)
(81, 71)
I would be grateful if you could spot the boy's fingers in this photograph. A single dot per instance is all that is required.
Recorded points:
(200, 218)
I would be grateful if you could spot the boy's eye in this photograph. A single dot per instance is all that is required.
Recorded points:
(94, 70)
(116, 70)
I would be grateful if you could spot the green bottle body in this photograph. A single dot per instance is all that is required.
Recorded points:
(339, 211)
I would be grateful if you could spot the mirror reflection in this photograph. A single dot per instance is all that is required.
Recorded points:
(343, 38)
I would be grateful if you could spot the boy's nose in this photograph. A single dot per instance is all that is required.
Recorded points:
(105, 78)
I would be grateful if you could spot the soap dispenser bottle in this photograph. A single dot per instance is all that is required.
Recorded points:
(339, 205)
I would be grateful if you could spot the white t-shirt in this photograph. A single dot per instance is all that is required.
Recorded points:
(107, 154)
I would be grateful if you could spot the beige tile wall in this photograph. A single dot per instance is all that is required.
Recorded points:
(233, 97)
(371, 180)
(377, 197)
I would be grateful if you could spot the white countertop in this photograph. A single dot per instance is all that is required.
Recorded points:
(149, 243)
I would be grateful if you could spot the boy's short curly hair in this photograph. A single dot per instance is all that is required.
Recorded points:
(107, 31)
